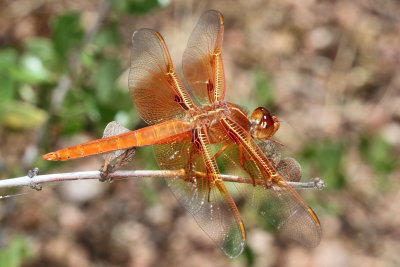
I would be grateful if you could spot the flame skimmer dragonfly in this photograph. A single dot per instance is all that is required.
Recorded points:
(193, 128)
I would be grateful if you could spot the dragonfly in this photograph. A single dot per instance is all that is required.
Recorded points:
(193, 128)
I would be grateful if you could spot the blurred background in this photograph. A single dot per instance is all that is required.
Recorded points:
(328, 69)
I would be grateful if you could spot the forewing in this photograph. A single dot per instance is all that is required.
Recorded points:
(206, 199)
(155, 87)
(202, 59)
(278, 202)
(281, 206)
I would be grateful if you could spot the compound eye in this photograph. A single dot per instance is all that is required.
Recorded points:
(263, 124)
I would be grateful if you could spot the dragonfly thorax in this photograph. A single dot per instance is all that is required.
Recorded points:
(208, 115)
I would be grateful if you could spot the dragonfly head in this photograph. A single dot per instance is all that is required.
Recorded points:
(263, 124)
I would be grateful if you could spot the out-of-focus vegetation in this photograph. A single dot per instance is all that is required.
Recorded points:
(328, 69)
(15, 253)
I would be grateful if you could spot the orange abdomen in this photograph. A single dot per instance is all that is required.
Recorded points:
(156, 134)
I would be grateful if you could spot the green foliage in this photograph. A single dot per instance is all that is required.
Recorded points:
(29, 74)
(378, 153)
(16, 252)
(20, 69)
(19, 115)
(8, 65)
(32, 74)
(44, 50)
(326, 157)
(33, 70)
(19, 74)
(108, 36)
(104, 78)
(149, 192)
(67, 33)
(135, 6)
(263, 89)
(249, 255)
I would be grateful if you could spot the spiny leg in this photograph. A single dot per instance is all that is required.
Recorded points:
(114, 162)
(242, 157)
(243, 164)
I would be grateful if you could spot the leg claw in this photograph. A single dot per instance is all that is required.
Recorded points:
(104, 172)
(32, 174)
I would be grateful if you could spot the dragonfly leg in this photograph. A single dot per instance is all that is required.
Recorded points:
(31, 174)
(124, 158)
(221, 150)
(242, 155)
(242, 163)
(112, 163)
(105, 170)
(193, 155)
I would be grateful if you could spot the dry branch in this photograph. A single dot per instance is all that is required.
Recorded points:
(35, 181)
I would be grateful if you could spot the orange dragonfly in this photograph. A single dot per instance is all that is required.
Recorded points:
(193, 128)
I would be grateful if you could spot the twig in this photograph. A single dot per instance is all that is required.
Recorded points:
(33, 182)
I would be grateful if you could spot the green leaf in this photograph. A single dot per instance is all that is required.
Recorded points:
(7, 89)
(16, 252)
(87, 58)
(67, 33)
(326, 157)
(263, 89)
(8, 60)
(26, 69)
(21, 116)
(105, 79)
(109, 35)
(73, 112)
(249, 256)
(32, 70)
(71, 124)
(137, 6)
(379, 154)
(44, 50)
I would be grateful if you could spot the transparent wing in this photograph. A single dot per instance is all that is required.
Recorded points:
(116, 158)
(283, 208)
(204, 196)
(275, 199)
(155, 87)
(202, 59)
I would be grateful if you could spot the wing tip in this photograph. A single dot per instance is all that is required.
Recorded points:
(159, 37)
(216, 13)
(232, 254)
(314, 216)
(136, 33)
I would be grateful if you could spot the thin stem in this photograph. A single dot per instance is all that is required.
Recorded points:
(36, 181)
